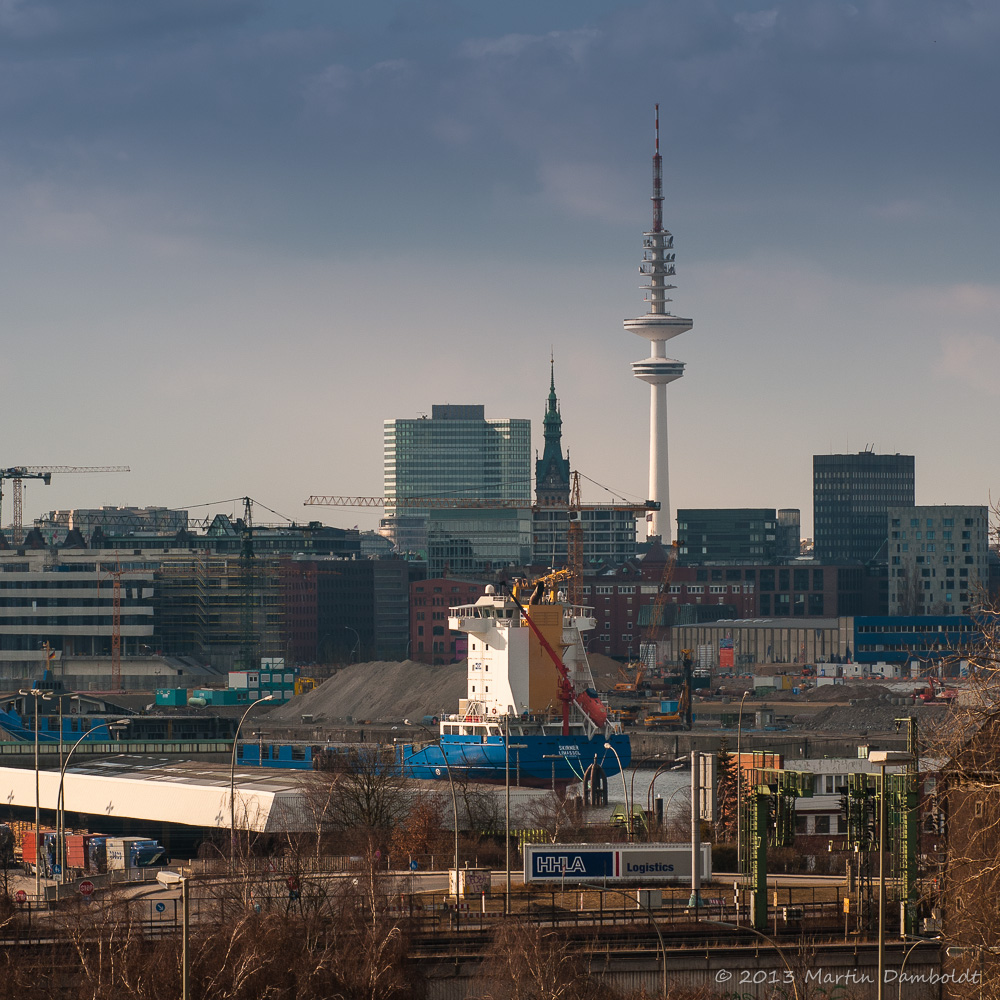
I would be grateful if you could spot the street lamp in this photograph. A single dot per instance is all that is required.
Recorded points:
(668, 765)
(884, 759)
(357, 641)
(43, 696)
(628, 807)
(112, 727)
(506, 778)
(649, 914)
(232, 781)
(553, 757)
(920, 940)
(739, 791)
(670, 798)
(635, 767)
(770, 940)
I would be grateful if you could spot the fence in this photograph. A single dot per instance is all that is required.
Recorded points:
(432, 915)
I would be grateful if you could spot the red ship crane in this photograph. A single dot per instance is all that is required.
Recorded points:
(568, 694)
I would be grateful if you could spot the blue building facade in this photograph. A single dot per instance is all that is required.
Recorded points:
(899, 638)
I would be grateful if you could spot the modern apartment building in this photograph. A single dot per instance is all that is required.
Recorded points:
(938, 559)
(851, 496)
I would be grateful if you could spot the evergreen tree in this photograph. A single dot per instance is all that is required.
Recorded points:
(725, 794)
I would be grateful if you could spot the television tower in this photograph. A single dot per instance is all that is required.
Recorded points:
(658, 326)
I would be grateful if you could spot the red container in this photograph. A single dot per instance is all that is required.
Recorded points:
(28, 850)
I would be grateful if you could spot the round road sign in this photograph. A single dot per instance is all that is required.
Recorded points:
(86, 887)
(20, 896)
(160, 907)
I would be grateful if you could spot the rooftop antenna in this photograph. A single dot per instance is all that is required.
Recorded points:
(657, 179)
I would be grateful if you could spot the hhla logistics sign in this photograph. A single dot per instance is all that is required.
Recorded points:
(586, 862)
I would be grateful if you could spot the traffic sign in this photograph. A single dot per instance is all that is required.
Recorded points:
(160, 907)
(20, 896)
(86, 888)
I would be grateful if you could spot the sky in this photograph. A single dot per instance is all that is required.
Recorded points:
(237, 235)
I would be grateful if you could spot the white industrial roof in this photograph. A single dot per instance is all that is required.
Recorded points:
(155, 788)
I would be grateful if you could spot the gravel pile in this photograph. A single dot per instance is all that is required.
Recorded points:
(870, 717)
(383, 691)
(848, 692)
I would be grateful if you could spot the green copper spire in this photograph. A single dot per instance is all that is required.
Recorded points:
(552, 470)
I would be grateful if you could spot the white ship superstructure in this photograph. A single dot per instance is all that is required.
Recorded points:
(511, 674)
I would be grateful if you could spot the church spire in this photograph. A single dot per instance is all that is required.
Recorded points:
(552, 469)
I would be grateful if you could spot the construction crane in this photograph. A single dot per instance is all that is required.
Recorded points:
(500, 504)
(648, 641)
(248, 631)
(18, 473)
(574, 542)
(574, 507)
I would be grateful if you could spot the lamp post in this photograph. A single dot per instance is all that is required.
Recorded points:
(668, 765)
(670, 798)
(43, 696)
(908, 952)
(649, 914)
(506, 777)
(454, 806)
(770, 940)
(739, 790)
(232, 781)
(884, 759)
(635, 767)
(357, 642)
(628, 807)
(553, 757)
(112, 727)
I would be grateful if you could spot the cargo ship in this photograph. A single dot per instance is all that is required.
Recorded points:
(531, 710)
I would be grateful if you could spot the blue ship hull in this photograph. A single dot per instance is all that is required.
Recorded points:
(535, 760)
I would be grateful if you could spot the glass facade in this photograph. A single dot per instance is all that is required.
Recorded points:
(851, 496)
(459, 453)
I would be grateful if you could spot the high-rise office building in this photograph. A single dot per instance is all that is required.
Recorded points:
(938, 559)
(851, 497)
(720, 536)
(459, 454)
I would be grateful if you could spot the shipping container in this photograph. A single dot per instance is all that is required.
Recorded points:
(132, 852)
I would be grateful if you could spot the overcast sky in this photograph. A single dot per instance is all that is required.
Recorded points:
(236, 235)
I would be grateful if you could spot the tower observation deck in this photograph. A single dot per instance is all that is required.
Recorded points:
(658, 326)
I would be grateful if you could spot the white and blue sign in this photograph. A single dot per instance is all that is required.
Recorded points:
(160, 907)
(555, 862)
(613, 862)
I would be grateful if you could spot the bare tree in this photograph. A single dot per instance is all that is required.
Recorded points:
(554, 814)
(359, 789)
(526, 962)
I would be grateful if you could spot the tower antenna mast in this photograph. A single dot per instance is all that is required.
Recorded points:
(658, 326)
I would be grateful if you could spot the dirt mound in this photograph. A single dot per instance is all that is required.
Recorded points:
(382, 691)
(849, 692)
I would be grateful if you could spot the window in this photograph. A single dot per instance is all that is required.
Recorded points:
(822, 824)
